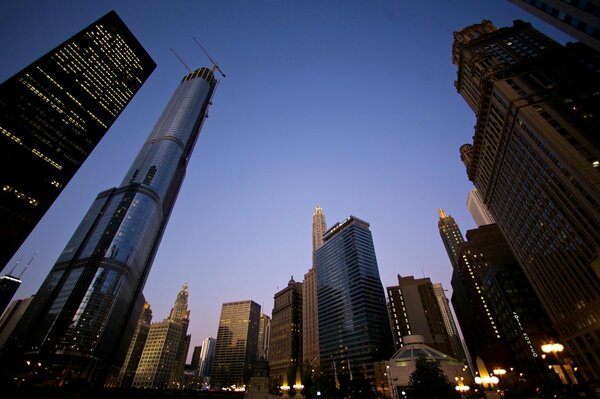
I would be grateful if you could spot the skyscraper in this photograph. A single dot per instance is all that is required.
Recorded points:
(136, 348)
(11, 317)
(414, 310)
(286, 333)
(354, 328)
(481, 215)
(310, 322)
(237, 341)
(8, 286)
(448, 318)
(264, 337)
(163, 358)
(578, 18)
(86, 310)
(451, 235)
(206, 356)
(535, 159)
(54, 112)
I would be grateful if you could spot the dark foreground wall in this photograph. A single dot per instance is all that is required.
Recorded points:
(111, 393)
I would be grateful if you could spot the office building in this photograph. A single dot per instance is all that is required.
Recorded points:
(286, 333)
(455, 342)
(162, 362)
(264, 337)
(195, 365)
(206, 356)
(414, 309)
(11, 317)
(136, 348)
(86, 310)
(310, 322)
(354, 328)
(8, 287)
(478, 210)
(578, 18)
(535, 160)
(54, 112)
(237, 342)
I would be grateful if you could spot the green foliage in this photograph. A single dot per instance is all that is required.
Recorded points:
(429, 382)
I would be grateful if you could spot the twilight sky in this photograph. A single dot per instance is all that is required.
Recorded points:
(349, 105)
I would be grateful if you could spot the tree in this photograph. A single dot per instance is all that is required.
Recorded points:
(429, 382)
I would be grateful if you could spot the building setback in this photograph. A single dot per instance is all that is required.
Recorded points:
(86, 310)
(354, 329)
(237, 343)
(162, 361)
(310, 321)
(286, 333)
(54, 112)
(535, 159)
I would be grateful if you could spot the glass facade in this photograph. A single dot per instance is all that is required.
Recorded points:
(54, 112)
(92, 297)
(354, 328)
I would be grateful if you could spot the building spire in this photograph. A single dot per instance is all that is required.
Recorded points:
(442, 213)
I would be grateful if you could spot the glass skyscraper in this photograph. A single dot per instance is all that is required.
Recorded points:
(54, 112)
(354, 328)
(86, 310)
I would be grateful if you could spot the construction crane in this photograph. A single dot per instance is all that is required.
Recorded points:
(215, 65)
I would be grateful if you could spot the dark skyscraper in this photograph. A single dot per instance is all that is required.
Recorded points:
(354, 328)
(535, 159)
(136, 347)
(54, 112)
(86, 310)
(578, 18)
(8, 286)
(285, 348)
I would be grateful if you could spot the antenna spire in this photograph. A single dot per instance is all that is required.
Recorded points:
(180, 60)
(215, 65)
(28, 263)
(15, 266)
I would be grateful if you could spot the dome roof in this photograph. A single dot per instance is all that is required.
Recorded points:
(413, 351)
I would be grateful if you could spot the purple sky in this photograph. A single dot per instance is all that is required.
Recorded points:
(349, 105)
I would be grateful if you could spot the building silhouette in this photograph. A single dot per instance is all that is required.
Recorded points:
(163, 358)
(237, 342)
(86, 310)
(8, 287)
(354, 329)
(136, 348)
(580, 19)
(310, 322)
(264, 337)
(54, 112)
(195, 365)
(535, 159)
(415, 310)
(285, 355)
(11, 317)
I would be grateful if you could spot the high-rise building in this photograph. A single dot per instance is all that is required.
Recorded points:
(354, 328)
(206, 356)
(136, 348)
(8, 286)
(578, 18)
(535, 159)
(264, 337)
(478, 210)
(310, 322)
(414, 310)
(195, 365)
(162, 361)
(451, 235)
(86, 310)
(286, 333)
(237, 342)
(54, 112)
(448, 318)
(11, 317)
